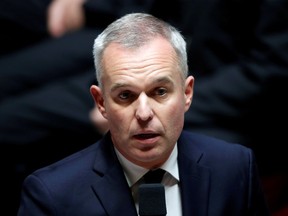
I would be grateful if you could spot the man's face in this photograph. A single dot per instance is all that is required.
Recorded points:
(144, 100)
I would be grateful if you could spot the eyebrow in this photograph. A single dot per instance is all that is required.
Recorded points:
(163, 79)
(118, 85)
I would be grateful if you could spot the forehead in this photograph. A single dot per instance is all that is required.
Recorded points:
(156, 58)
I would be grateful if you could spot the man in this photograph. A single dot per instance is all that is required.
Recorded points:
(144, 92)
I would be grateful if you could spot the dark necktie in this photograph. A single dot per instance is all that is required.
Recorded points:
(152, 194)
(154, 176)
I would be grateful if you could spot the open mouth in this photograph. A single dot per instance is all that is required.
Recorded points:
(145, 136)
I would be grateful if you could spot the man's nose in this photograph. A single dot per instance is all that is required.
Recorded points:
(144, 110)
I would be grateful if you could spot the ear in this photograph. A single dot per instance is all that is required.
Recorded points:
(97, 95)
(189, 89)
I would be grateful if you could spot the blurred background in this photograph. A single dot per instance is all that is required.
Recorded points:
(237, 51)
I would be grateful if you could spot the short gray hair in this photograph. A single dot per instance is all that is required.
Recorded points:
(133, 31)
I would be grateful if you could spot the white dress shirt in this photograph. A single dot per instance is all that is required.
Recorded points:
(170, 180)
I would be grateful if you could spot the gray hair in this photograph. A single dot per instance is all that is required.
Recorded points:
(133, 31)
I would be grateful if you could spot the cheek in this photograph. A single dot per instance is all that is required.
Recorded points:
(118, 116)
(177, 115)
(176, 112)
(115, 115)
(177, 105)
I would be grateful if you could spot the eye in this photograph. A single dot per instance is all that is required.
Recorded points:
(161, 91)
(125, 95)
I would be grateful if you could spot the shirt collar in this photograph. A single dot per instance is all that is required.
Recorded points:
(134, 172)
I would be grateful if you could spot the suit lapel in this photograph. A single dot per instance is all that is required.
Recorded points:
(110, 185)
(194, 179)
(111, 188)
(114, 193)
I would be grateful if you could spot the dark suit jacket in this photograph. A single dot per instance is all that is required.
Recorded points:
(216, 179)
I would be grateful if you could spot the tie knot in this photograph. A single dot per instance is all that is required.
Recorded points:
(154, 176)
